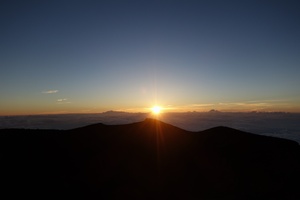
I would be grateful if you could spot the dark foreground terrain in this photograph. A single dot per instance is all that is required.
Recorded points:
(147, 160)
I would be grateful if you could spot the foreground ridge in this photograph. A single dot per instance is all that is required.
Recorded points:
(149, 159)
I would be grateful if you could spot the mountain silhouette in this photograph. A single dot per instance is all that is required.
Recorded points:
(148, 160)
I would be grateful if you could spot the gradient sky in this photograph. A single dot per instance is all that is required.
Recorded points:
(93, 56)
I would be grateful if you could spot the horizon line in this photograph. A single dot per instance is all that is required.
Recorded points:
(141, 112)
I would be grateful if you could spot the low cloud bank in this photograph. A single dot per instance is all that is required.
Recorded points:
(284, 125)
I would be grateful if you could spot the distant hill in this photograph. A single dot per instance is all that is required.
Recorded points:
(148, 160)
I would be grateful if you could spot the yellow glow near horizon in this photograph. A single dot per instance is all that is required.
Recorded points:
(156, 110)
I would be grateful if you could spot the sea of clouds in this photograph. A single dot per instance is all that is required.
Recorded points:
(284, 125)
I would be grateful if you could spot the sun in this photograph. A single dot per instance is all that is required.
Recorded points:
(156, 110)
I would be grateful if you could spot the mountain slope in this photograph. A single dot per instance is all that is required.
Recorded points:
(147, 160)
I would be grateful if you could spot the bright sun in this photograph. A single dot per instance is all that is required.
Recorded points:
(156, 110)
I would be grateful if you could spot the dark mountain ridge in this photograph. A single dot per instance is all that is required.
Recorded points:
(148, 160)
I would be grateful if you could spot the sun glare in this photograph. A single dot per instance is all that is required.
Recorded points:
(156, 110)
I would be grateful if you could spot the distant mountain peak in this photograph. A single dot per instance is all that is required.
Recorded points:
(149, 119)
(214, 111)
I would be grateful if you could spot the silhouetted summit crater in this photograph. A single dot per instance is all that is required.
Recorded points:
(148, 160)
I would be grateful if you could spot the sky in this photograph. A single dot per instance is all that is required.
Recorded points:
(92, 56)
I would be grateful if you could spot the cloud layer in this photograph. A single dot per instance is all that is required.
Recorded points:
(61, 100)
(50, 91)
(285, 125)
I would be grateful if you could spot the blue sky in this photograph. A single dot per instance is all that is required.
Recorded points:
(130, 55)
